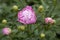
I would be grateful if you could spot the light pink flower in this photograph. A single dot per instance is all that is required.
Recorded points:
(27, 15)
(6, 31)
(48, 20)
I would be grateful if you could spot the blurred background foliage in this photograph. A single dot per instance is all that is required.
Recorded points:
(33, 31)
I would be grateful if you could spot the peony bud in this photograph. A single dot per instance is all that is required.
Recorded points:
(27, 15)
(6, 31)
(15, 7)
(42, 35)
(49, 20)
(53, 21)
(41, 8)
(21, 27)
(4, 21)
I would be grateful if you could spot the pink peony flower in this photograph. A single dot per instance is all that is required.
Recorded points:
(6, 31)
(48, 20)
(27, 15)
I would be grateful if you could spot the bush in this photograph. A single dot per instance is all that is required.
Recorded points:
(46, 27)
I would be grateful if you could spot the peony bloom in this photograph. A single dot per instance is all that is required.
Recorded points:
(6, 31)
(49, 20)
(27, 15)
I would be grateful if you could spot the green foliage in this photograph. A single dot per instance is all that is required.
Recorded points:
(32, 31)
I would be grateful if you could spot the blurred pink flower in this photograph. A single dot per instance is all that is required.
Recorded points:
(6, 31)
(49, 20)
(27, 15)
